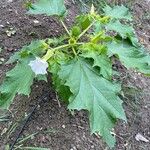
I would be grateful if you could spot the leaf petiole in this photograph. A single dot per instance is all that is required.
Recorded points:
(65, 27)
(85, 30)
(74, 51)
(50, 51)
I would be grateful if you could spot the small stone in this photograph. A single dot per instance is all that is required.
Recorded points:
(2, 59)
(8, 22)
(140, 137)
(36, 21)
(10, 49)
(63, 126)
(10, 1)
(2, 26)
(4, 131)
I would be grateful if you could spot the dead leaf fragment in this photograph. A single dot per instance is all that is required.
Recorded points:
(140, 137)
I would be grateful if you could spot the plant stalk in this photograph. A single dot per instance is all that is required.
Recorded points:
(85, 30)
(65, 27)
(49, 54)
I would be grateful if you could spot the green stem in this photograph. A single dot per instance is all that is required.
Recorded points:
(65, 27)
(61, 47)
(49, 52)
(85, 30)
(74, 51)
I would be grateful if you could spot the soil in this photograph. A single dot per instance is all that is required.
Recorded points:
(66, 131)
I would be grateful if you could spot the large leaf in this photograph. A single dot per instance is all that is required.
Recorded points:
(93, 93)
(125, 31)
(18, 81)
(118, 12)
(131, 57)
(48, 7)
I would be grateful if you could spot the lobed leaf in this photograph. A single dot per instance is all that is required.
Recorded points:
(36, 48)
(48, 7)
(125, 31)
(118, 12)
(102, 61)
(18, 81)
(131, 57)
(83, 21)
(93, 93)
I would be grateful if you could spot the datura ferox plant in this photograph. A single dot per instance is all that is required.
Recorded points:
(80, 63)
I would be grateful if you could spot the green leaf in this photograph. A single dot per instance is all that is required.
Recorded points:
(93, 93)
(102, 61)
(75, 31)
(41, 77)
(118, 12)
(131, 57)
(36, 48)
(83, 21)
(124, 31)
(54, 67)
(97, 27)
(48, 7)
(99, 54)
(18, 81)
(63, 91)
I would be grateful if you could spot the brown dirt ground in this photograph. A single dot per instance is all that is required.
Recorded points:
(70, 132)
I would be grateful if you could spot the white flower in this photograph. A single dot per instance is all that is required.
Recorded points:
(38, 66)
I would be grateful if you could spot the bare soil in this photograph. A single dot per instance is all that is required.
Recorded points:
(69, 132)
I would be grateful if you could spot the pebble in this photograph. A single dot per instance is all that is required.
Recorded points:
(10, 1)
(140, 137)
(63, 126)
(2, 59)
(36, 21)
(2, 26)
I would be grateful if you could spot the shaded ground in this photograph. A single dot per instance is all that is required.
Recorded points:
(69, 132)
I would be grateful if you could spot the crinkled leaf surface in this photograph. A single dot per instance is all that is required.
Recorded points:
(62, 90)
(102, 61)
(98, 53)
(83, 21)
(18, 81)
(124, 31)
(118, 12)
(131, 57)
(54, 67)
(48, 7)
(93, 93)
(36, 48)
